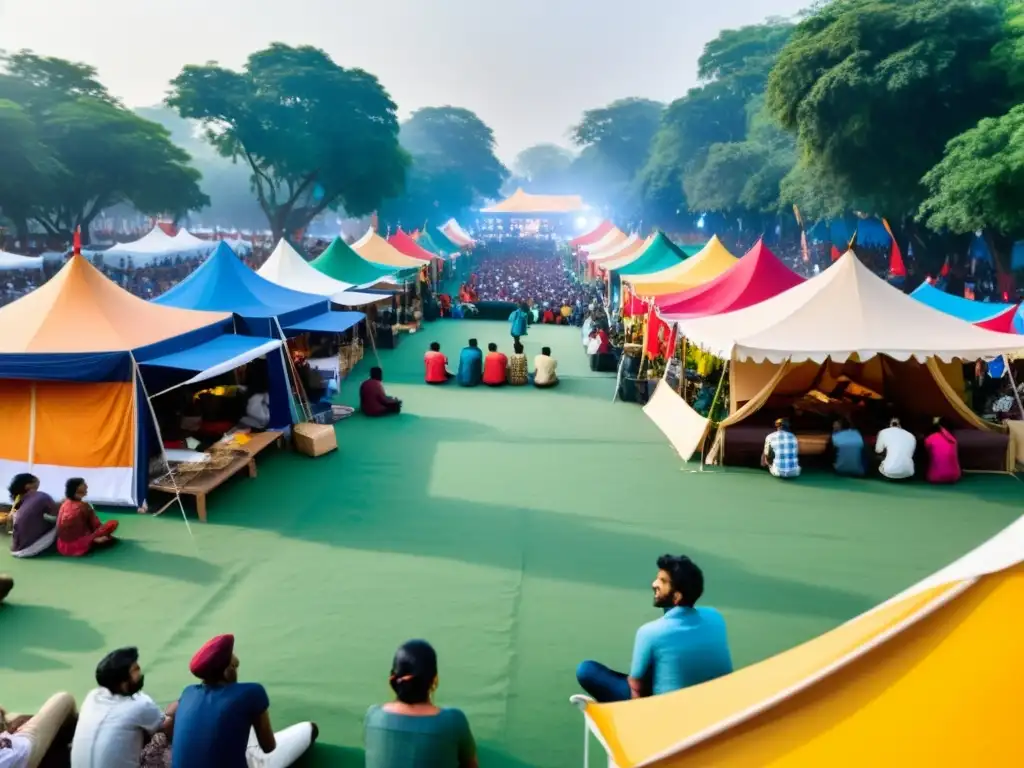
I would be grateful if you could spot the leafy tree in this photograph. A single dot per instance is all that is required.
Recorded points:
(26, 163)
(979, 183)
(874, 89)
(88, 151)
(545, 167)
(315, 135)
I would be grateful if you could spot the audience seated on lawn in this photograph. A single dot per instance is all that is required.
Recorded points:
(898, 446)
(373, 400)
(28, 741)
(943, 458)
(117, 720)
(471, 362)
(495, 366)
(435, 365)
(518, 369)
(35, 517)
(781, 454)
(847, 450)
(411, 731)
(222, 723)
(545, 369)
(686, 646)
(79, 531)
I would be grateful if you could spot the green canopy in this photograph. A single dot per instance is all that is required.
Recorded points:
(690, 250)
(342, 263)
(660, 254)
(442, 241)
(427, 242)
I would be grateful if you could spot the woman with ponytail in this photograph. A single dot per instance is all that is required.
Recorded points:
(411, 731)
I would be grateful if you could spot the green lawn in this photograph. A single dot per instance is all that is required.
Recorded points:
(514, 529)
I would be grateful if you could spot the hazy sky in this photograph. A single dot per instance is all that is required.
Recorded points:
(529, 68)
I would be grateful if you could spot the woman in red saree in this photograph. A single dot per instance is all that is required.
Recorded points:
(78, 528)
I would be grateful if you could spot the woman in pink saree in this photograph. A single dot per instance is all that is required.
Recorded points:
(943, 461)
(79, 531)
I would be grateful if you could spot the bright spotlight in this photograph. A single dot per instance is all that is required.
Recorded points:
(581, 222)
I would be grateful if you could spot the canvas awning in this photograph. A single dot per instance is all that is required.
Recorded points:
(847, 310)
(286, 267)
(327, 322)
(593, 235)
(711, 261)
(401, 242)
(659, 254)
(10, 261)
(622, 253)
(217, 356)
(524, 203)
(450, 235)
(612, 239)
(341, 263)
(377, 250)
(994, 316)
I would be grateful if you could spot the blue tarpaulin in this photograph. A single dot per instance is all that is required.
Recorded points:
(966, 309)
(328, 322)
(216, 353)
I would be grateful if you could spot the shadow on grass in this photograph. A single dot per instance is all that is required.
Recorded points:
(30, 631)
(133, 557)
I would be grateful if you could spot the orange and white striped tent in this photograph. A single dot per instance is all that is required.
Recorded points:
(930, 678)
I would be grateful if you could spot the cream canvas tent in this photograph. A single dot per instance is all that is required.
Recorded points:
(844, 322)
(287, 268)
(377, 250)
(186, 241)
(929, 678)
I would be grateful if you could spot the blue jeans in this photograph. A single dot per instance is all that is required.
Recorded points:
(604, 685)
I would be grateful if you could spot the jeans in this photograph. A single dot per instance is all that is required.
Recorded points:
(604, 685)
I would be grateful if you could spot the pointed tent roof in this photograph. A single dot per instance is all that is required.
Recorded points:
(79, 310)
(659, 254)
(757, 276)
(340, 262)
(623, 252)
(612, 238)
(995, 317)
(626, 256)
(376, 249)
(842, 698)
(593, 235)
(456, 234)
(846, 310)
(287, 267)
(401, 242)
(612, 251)
(224, 283)
(185, 240)
(711, 261)
(524, 202)
(424, 240)
(446, 243)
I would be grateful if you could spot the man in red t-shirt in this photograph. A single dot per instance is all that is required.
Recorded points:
(435, 365)
(373, 401)
(495, 366)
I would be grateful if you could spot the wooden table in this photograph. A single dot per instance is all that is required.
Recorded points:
(205, 482)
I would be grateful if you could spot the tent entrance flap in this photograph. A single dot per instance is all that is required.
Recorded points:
(327, 322)
(217, 356)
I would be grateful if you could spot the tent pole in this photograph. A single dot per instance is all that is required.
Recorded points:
(1016, 395)
(163, 452)
(373, 343)
(682, 378)
(300, 390)
(711, 410)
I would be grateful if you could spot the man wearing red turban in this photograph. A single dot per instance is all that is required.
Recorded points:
(222, 723)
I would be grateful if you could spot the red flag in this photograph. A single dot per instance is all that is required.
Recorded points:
(836, 255)
(76, 242)
(670, 350)
(944, 272)
(654, 326)
(896, 265)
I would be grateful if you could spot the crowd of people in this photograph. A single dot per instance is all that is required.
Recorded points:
(537, 278)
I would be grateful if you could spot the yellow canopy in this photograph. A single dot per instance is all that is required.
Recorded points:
(525, 203)
(891, 687)
(376, 249)
(708, 263)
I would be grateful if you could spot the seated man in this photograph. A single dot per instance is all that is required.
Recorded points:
(495, 365)
(436, 365)
(687, 646)
(544, 369)
(373, 400)
(117, 719)
(847, 449)
(222, 723)
(898, 445)
(781, 453)
(29, 740)
(6, 585)
(471, 363)
(518, 372)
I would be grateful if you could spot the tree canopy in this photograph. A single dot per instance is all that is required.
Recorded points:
(315, 135)
(545, 168)
(81, 151)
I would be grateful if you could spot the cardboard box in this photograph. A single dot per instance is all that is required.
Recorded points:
(314, 439)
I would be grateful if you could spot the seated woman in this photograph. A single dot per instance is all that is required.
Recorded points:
(411, 732)
(943, 459)
(518, 369)
(79, 531)
(35, 517)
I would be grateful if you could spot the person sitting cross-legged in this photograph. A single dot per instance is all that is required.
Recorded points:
(117, 719)
(687, 646)
(495, 366)
(471, 363)
(518, 368)
(435, 365)
(545, 369)
(29, 741)
(781, 455)
(35, 517)
(373, 400)
(222, 723)
(79, 530)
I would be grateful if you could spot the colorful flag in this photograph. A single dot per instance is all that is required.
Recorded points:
(896, 266)
(76, 242)
(836, 255)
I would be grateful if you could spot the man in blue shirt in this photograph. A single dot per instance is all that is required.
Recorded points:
(471, 365)
(687, 646)
(847, 449)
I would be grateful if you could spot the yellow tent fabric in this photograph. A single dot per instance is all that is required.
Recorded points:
(524, 203)
(711, 261)
(891, 687)
(376, 249)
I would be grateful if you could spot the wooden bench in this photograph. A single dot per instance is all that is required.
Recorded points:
(205, 482)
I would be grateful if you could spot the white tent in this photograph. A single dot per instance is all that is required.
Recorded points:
(847, 310)
(615, 249)
(151, 247)
(14, 261)
(239, 246)
(287, 268)
(186, 241)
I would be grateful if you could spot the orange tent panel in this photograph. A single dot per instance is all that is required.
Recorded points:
(16, 418)
(85, 424)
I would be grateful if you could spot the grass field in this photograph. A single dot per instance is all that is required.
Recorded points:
(514, 529)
